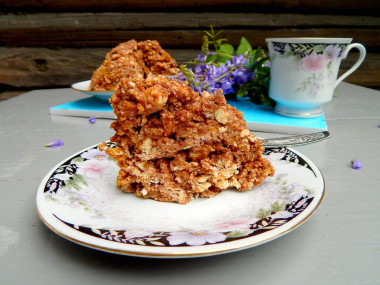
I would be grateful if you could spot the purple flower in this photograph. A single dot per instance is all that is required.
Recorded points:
(55, 143)
(198, 69)
(356, 164)
(227, 87)
(239, 60)
(201, 58)
(92, 120)
(229, 76)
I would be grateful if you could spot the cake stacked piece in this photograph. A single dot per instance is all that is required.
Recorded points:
(133, 60)
(174, 144)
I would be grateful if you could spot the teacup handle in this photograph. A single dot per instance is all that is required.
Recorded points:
(362, 53)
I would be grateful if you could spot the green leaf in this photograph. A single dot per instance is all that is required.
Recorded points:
(223, 56)
(208, 34)
(237, 234)
(218, 34)
(222, 60)
(318, 48)
(211, 58)
(240, 93)
(79, 179)
(262, 214)
(220, 41)
(77, 159)
(226, 49)
(277, 207)
(72, 184)
(297, 57)
(243, 47)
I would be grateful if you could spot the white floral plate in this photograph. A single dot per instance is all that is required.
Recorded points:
(78, 200)
(83, 87)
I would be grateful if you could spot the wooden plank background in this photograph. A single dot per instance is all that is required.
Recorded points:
(326, 6)
(45, 43)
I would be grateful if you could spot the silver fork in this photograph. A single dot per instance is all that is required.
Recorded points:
(295, 140)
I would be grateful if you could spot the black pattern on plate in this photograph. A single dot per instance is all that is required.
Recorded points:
(161, 238)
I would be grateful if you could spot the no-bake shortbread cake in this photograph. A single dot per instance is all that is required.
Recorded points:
(174, 144)
(133, 60)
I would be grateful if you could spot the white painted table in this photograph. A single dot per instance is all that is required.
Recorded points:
(339, 244)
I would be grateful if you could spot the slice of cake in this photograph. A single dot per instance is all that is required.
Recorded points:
(133, 60)
(174, 144)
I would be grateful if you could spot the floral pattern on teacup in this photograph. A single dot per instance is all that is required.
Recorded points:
(316, 60)
(303, 50)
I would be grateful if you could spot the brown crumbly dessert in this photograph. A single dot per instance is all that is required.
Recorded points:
(174, 144)
(133, 60)
(157, 61)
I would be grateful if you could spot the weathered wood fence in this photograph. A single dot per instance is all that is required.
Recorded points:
(46, 43)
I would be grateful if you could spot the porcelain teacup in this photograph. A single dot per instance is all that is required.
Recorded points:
(304, 72)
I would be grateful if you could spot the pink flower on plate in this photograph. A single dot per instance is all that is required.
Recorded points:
(195, 238)
(237, 224)
(94, 168)
(314, 62)
(331, 52)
